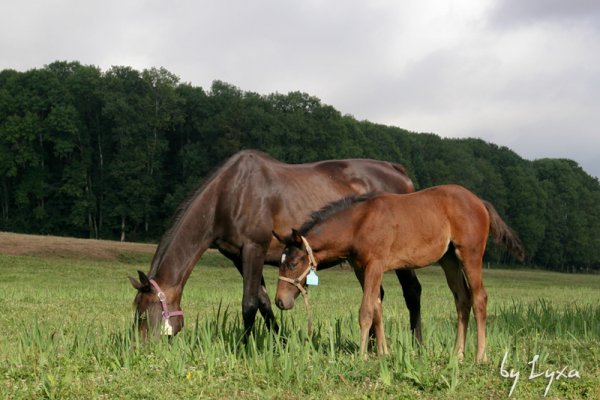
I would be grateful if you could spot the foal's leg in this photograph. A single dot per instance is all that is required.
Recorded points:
(462, 299)
(368, 309)
(473, 271)
(378, 325)
(411, 288)
(360, 275)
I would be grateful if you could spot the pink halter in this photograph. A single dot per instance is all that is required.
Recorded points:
(166, 314)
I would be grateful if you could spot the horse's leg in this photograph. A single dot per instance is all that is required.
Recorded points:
(462, 299)
(264, 306)
(411, 288)
(472, 261)
(253, 256)
(371, 289)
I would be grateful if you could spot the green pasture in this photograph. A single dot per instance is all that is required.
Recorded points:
(65, 334)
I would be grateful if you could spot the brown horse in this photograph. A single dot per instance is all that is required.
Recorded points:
(377, 233)
(235, 210)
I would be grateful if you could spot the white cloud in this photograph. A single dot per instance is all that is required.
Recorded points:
(525, 74)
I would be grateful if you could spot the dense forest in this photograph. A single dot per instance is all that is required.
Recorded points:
(110, 154)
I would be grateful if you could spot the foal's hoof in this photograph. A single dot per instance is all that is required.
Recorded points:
(482, 359)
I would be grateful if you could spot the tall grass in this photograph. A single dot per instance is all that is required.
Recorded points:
(70, 336)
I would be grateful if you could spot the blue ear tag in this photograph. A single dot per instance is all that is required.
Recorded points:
(312, 279)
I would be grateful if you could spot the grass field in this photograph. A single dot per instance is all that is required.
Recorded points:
(65, 323)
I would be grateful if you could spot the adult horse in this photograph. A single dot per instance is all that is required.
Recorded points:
(235, 210)
(377, 233)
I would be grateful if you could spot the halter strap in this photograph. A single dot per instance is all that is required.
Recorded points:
(166, 314)
(296, 282)
(312, 265)
(311, 257)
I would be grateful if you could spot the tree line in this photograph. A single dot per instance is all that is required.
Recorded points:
(110, 154)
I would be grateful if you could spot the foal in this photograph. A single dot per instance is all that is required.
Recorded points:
(380, 232)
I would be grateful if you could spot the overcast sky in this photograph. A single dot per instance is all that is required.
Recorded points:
(519, 73)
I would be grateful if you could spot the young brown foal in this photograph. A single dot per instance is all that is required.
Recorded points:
(377, 233)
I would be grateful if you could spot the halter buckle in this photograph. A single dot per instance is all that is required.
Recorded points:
(166, 314)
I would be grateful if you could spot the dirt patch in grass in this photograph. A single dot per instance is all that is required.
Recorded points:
(65, 247)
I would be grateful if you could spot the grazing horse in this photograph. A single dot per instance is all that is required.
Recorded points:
(235, 210)
(379, 232)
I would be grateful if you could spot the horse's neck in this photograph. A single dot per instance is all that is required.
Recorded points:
(189, 239)
(175, 265)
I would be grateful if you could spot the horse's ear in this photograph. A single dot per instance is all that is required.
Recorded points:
(296, 237)
(279, 238)
(143, 279)
(135, 283)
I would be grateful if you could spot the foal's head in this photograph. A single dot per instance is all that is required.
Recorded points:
(149, 314)
(293, 269)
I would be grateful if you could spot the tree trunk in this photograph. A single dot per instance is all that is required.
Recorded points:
(122, 229)
(100, 187)
(4, 201)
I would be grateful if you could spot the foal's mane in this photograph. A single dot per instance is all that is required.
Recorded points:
(332, 208)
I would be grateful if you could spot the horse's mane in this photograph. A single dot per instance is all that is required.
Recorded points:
(179, 213)
(332, 208)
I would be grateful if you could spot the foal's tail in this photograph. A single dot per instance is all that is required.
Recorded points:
(502, 232)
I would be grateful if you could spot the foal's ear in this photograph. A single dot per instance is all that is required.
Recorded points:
(296, 237)
(279, 238)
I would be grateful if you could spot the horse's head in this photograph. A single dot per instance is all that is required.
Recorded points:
(156, 310)
(293, 269)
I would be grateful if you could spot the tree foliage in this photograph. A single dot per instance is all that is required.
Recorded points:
(110, 154)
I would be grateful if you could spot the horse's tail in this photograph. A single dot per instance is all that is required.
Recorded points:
(503, 233)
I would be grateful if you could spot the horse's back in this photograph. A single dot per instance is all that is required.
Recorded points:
(258, 194)
(368, 175)
(258, 180)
